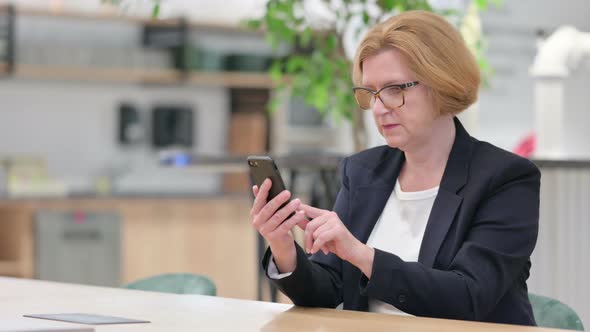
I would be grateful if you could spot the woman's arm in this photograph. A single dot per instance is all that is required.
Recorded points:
(316, 283)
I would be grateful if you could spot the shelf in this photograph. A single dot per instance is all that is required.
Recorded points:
(145, 76)
(114, 17)
(89, 74)
(162, 76)
(232, 79)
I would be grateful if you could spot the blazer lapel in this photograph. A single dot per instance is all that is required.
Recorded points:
(447, 201)
(367, 203)
(369, 200)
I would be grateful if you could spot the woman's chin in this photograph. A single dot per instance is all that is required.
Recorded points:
(394, 142)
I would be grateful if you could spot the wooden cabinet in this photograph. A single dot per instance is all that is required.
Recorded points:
(210, 236)
(16, 242)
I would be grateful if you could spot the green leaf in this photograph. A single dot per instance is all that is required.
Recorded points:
(482, 4)
(272, 40)
(156, 10)
(366, 17)
(253, 24)
(484, 65)
(420, 4)
(449, 12)
(306, 36)
(273, 104)
(322, 78)
(387, 5)
(402, 6)
(275, 71)
(331, 43)
(296, 63)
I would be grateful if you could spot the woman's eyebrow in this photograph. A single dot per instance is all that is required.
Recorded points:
(390, 82)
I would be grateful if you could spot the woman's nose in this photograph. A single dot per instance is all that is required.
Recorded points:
(378, 107)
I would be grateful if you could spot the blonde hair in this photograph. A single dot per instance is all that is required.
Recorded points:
(436, 52)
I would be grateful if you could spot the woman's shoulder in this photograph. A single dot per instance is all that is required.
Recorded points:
(503, 165)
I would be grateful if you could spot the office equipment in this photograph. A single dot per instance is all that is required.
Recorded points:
(29, 325)
(172, 126)
(91, 319)
(130, 127)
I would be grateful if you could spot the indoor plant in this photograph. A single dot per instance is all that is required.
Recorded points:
(318, 69)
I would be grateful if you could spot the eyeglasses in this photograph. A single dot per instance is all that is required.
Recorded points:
(392, 96)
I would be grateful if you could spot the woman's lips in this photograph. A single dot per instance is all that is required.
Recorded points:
(389, 126)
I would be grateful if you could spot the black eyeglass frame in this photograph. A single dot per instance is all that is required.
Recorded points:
(402, 88)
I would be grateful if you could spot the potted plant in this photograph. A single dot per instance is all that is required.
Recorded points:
(322, 36)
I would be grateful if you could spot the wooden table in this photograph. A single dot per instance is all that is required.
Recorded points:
(169, 312)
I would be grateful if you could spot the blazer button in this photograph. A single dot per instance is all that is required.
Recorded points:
(401, 298)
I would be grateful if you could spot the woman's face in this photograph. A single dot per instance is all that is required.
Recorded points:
(404, 127)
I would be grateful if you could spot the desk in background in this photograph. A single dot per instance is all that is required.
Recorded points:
(178, 313)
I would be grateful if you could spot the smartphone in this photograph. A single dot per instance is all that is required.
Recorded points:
(263, 167)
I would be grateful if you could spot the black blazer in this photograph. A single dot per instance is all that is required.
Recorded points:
(475, 255)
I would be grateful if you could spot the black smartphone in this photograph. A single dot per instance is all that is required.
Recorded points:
(263, 167)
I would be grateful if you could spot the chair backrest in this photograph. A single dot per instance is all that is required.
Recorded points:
(176, 283)
(554, 314)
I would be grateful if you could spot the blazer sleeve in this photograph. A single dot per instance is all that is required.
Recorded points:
(317, 280)
(493, 256)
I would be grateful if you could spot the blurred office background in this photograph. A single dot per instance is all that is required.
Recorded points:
(122, 138)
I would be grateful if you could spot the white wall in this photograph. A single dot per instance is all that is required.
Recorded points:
(75, 128)
(507, 105)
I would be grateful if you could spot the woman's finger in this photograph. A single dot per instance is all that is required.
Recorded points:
(310, 229)
(304, 222)
(291, 222)
(312, 212)
(323, 228)
(270, 208)
(279, 217)
(255, 190)
(323, 239)
(261, 197)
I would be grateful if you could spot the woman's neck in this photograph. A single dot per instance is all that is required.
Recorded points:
(425, 164)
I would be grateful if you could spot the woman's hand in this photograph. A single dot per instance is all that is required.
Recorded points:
(326, 232)
(274, 224)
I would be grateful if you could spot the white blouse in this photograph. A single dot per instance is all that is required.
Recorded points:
(400, 229)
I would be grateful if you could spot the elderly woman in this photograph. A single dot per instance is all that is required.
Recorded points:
(435, 223)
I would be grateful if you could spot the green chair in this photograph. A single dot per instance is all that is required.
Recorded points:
(176, 283)
(553, 314)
